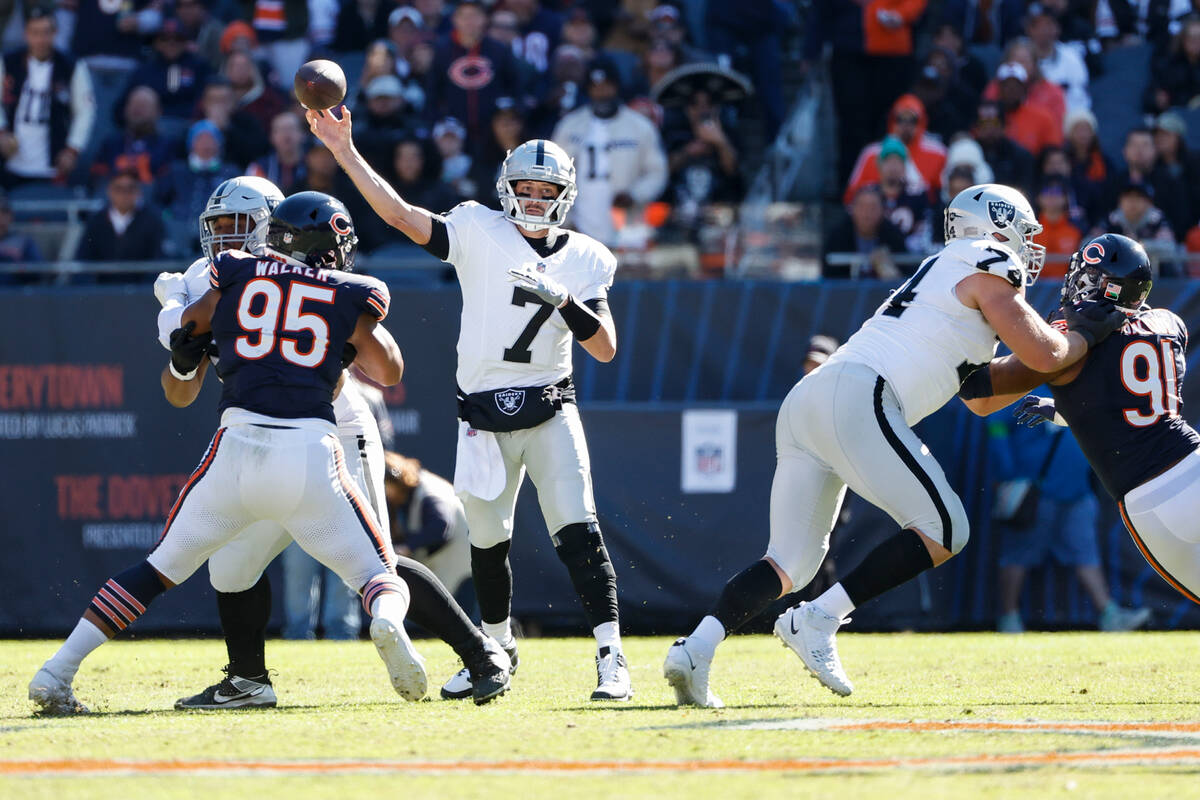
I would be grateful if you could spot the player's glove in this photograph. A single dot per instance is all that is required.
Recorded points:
(1034, 410)
(545, 287)
(349, 353)
(1094, 321)
(168, 285)
(188, 351)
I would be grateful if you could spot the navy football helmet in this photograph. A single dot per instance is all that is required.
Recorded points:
(1110, 267)
(314, 228)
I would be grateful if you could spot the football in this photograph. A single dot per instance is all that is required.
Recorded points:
(320, 84)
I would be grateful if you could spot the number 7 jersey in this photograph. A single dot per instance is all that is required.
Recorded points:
(508, 337)
(281, 326)
(923, 340)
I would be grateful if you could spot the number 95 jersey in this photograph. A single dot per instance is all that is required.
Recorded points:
(281, 326)
(923, 340)
(509, 337)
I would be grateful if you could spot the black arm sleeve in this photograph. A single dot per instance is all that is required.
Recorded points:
(439, 240)
(581, 319)
(599, 307)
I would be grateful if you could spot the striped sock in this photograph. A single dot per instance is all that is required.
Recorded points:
(124, 598)
(386, 596)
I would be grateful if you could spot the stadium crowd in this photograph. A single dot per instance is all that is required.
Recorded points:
(200, 90)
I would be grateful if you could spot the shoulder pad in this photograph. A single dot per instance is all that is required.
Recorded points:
(992, 258)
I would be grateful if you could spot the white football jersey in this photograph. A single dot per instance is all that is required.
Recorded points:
(353, 415)
(923, 340)
(508, 337)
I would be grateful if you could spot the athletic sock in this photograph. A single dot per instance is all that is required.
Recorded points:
(895, 561)
(433, 608)
(608, 634)
(835, 602)
(386, 596)
(244, 619)
(708, 634)
(492, 575)
(500, 631)
(747, 595)
(83, 640)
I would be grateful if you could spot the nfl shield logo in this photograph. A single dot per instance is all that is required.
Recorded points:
(541, 266)
(510, 401)
(1002, 212)
(708, 458)
(1112, 291)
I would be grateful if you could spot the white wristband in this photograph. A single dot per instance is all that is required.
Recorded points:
(189, 376)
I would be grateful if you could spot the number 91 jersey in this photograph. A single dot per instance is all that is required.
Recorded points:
(281, 326)
(923, 340)
(509, 337)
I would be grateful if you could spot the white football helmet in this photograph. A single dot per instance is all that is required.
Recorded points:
(998, 213)
(537, 160)
(250, 201)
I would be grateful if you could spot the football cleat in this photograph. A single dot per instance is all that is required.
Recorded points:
(232, 692)
(612, 676)
(460, 686)
(687, 672)
(405, 666)
(809, 632)
(54, 696)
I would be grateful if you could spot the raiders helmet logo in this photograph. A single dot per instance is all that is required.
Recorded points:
(1002, 212)
(509, 401)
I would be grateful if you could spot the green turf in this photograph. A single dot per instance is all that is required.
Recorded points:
(336, 704)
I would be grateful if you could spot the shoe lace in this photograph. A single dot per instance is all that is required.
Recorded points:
(608, 667)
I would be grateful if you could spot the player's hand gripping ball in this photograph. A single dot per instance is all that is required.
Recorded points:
(320, 85)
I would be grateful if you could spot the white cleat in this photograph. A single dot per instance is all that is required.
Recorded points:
(612, 676)
(405, 666)
(809, 632)
(54, 695)
(687, 672)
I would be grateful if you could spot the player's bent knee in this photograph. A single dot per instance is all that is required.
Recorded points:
(795, 568)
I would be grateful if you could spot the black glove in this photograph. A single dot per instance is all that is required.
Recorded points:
(1094, 321)
(349, 353)
(188, 351)
(1035, 410)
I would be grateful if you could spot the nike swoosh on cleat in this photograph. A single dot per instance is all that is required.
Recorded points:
(220, 698)
(792, 624)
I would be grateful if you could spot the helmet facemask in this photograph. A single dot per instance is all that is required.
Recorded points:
(514, 205)
(249, 232)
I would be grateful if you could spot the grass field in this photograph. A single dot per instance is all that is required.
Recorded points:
(954, 715)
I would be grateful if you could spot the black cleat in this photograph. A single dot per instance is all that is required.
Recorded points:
(232, 692)
(493, 665)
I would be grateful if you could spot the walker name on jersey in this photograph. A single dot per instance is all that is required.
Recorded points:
(266, 269)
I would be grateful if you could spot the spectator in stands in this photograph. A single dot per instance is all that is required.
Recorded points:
(387, 121)
(458, 166)
(965, 152)
(869, 234)
(184, 190)
(905, 204)
(437, 19)
(702, 157)
(238, 37)
(1028, 125)
(406, 34)
(140, 146)
(201, 29)
(282, 27)
(1059, 235)
(284, 165)
(1059, 64)
(1170, 140)
(967, 67)
(245, 138)
(124, 230)
(175, 74)
(1039, 92)
(15, 247)
(949, 103)
(1065, 524)
(540, 31)
(254, 95)
(747, 33)
(46, 106)
(566, 92)
(667, 24)
(415, 173)
(109, 34)
(985, 22)
(428, 523)
(1011, 163)
(1091, 170)
(361, 22)
(580, 31)
(1142, 166)
(926, 153)
(1137, 217)
(380, 60)
(1055, 164)
(1175, 79)
(470, 70)
(659, 59)
(508, 132)
(619, 157)
(1077, 30)
(315, 597)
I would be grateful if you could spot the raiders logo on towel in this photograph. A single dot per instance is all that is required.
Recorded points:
(510, 401)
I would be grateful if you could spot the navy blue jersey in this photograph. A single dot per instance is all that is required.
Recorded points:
(281, 327)
(1124, 406)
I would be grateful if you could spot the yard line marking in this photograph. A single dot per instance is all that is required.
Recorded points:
(968, 762)
(1181, 730)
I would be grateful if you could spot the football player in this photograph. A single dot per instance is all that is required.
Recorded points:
(849, 423)
(235, 218)
(281, 321)
(1123, 404)
(528, 287)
